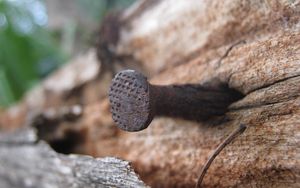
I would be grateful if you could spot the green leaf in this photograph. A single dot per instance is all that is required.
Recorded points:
(6, 93)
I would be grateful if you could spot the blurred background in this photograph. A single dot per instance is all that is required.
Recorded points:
(39, 36)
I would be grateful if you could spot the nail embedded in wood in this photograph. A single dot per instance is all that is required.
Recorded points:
(135, 102)
(228, 140)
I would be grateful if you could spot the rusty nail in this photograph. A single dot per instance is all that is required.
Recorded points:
(135, 102)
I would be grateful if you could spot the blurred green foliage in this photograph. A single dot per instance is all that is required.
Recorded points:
(28, 52)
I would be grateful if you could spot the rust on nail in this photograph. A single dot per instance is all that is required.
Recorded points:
(135, 102)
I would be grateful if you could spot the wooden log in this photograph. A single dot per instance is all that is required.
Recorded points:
(254, 48)
(24, 162)
(251, 46)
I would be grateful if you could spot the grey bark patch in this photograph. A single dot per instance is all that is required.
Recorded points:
(20, 136)
(26, 163)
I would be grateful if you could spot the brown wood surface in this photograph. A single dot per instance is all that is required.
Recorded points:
(253, 46)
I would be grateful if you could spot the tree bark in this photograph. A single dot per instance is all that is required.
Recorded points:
(28, 163)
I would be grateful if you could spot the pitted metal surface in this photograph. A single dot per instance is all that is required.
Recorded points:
(129, 99)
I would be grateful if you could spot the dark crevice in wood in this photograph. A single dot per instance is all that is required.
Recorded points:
(68, 143)
(56, 127)
(247, 107)
(265, 103)
(275, 82)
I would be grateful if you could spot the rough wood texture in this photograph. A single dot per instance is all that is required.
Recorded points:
(253, 46)
(169, 33)
(24, 162)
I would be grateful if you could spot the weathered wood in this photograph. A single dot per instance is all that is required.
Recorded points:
(167, 34)
(253, 47)
(24, 162)
(199, 42)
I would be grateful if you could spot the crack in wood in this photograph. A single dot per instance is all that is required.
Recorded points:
(257, 103)
(229, 50)
(275, 82)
